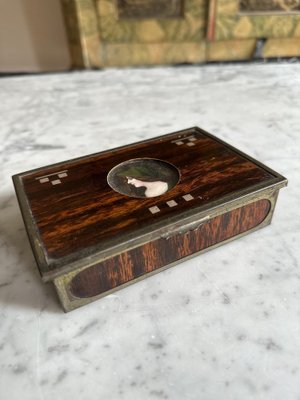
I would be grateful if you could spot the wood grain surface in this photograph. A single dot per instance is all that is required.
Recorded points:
(134, 263)
(81, 213)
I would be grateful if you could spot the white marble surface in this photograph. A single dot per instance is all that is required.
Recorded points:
(225, 325)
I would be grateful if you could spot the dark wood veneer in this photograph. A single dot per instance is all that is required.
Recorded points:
(83, 213)
(90, 239)
(131, 264)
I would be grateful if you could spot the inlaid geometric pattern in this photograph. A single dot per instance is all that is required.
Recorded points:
(154, 209)
(188, 197)
(62, 175)
(56, 182)
(44, 180)
(172, 203)
(187, 140)
(54, 178)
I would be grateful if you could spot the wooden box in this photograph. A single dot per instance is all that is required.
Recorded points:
(103, 221)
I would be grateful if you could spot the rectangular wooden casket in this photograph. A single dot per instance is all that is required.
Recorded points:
(100, 222)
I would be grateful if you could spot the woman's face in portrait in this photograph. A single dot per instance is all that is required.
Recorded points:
(153, 188)
(135, 182)
(143, 177)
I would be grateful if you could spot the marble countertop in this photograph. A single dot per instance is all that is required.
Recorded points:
(224, 325)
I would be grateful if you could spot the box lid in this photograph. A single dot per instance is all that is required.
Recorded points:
(85, 210)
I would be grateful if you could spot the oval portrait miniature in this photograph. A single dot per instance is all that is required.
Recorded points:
(143, 177)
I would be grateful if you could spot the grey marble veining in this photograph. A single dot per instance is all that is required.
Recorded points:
(225, 325)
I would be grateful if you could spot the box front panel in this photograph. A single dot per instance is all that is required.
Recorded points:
(92, 282)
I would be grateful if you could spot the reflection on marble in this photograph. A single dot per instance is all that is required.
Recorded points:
(225, 325)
